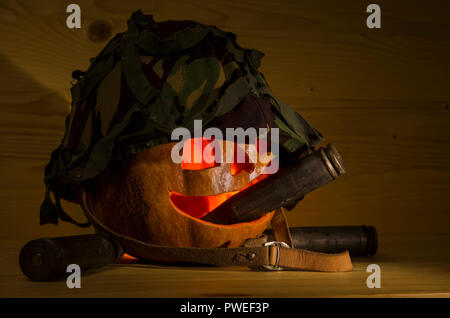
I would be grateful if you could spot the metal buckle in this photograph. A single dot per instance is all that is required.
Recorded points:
(275, 267)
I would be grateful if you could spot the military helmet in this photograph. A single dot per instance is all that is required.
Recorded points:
(147, 81)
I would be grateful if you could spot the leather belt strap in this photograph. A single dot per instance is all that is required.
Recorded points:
(314, 261)
(280, 228)
(251, 255)
(302, 259)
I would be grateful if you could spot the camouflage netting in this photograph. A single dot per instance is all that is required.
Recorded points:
(147, 81)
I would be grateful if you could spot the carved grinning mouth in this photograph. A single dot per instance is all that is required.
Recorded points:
(199, 206)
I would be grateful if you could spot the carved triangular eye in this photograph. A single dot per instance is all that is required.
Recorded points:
(198, 154)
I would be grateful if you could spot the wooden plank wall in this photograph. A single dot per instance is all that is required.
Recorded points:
(381, 96)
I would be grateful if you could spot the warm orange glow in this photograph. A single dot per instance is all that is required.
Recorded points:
(128, 259)
(199, 206)
(196, 150)
(236, 167)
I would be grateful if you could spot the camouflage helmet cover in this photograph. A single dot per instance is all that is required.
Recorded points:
(151, 79)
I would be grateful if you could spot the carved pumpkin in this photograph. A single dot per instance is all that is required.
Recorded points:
(150, 198)
(149, 80)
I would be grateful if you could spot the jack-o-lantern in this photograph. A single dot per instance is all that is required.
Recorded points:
(148, 81)
(151, 198)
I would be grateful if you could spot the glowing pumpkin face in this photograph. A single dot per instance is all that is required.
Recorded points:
(151, 198)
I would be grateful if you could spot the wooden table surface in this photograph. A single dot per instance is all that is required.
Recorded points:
(381, 96)
(410, 267)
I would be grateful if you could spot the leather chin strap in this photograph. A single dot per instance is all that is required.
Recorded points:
(256, 253)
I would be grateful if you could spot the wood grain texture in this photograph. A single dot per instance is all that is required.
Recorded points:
(410, 267)
(381, 96)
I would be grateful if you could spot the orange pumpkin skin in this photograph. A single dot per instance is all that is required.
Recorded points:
(132, 198)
